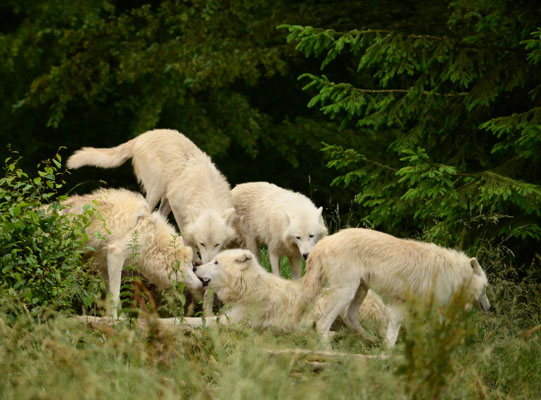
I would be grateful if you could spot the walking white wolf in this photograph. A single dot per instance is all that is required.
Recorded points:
(354, 260)
(172, 168)
(286, 221)
(120, 218)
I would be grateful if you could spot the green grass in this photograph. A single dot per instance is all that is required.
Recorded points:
(285, 270)
(479, 355)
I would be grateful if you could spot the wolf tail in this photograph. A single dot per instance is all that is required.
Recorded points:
(102, 157)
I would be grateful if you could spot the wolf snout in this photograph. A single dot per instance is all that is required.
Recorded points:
(305, 255)
(204, 281)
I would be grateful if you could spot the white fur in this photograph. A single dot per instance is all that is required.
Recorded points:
(354, 260)
(174, 170)
(286, 221)
(122, 219)
(266, 300)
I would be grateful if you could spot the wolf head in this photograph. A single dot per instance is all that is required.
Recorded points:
(479, 283)
(165, 256)
(230, 273)
(209, 232)
(304, 229)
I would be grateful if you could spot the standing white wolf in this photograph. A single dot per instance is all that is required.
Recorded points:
(286, 221)
(354, 260)
(172, 168)
(121, 220)
(266, 300)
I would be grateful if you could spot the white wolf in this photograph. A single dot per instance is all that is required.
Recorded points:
(121, 217)
(172, 168)
(354, 260)
(266, 300)
(286, 221)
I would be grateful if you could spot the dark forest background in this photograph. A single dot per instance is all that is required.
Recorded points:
(420, 119)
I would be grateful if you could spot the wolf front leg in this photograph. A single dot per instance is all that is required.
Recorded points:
(165, 207)
(274, 258)
(393, 327)
(116, 255)
(295, 264)
(208, 302)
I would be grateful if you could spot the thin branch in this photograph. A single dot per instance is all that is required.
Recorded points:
(383, 91)
(425, 92)
(414, 36)
(327, 354)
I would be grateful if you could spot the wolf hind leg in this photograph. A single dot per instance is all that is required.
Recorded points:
(332, 305)
(352, 314)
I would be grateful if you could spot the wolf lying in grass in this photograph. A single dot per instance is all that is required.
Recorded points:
(355, 260)
(263, 299)
(123, 231)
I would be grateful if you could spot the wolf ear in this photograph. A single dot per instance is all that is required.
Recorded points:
(475, 266)
(321, 220)
(227, 214)
(288, 216)
(244, 259)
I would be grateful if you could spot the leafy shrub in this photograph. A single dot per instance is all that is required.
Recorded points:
(42, 246)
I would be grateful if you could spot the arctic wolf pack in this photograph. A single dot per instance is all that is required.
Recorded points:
(266, 300)
(121, 220)
(288, 223)
(174, 170)
(355, 260)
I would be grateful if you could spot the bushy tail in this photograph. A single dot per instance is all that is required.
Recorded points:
(104, 158)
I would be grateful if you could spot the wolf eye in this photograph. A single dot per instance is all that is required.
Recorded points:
(216, 262)
(217, 244)
(201, 244)
(298, 237)
(311, 235)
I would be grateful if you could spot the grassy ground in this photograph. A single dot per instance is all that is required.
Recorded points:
(479, 355)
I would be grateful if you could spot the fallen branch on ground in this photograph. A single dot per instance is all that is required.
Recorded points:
(170, 323)
(326, 354)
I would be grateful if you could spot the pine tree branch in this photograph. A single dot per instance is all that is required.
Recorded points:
(356, 32)
(386, 91)
(425, 92)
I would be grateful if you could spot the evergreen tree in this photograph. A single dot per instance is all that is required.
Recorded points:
(449, 112)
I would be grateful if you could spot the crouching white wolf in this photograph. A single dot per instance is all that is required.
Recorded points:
(286, 221)
(121, 217)
(266, 300)
(354, 260)
(172, 168)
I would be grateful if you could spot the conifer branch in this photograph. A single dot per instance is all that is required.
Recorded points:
(425, 92)
(382, 91)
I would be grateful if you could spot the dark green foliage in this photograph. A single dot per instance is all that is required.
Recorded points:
(42, 247)
(451, 121)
